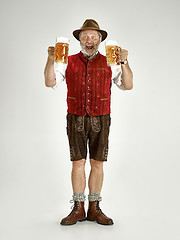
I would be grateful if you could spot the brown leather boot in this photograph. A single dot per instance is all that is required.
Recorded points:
(95, 214)
(77, 214)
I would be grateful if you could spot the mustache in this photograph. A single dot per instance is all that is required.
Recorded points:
(89, 45)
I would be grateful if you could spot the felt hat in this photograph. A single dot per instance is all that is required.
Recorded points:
(90, 24)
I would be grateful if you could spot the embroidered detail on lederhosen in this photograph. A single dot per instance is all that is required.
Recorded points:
(105, 154)
(79, 123)
(72, 153)
(96, 124)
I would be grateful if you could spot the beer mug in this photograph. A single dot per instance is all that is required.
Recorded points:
(61, 50)
(112, 53)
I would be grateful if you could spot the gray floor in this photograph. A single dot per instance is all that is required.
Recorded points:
(31, 207)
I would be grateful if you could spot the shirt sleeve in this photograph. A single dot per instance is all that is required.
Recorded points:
(60, 71)
(116, 76)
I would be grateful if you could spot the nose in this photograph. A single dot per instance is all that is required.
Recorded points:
(89, 40)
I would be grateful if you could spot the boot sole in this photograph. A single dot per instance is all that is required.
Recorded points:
(69, 224)
(92, 220)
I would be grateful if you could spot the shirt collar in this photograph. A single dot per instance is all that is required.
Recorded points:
(92, 56)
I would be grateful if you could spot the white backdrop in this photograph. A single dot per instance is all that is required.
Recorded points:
(141, 184)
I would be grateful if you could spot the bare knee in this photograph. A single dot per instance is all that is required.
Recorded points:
(96, 164)
(80, 164)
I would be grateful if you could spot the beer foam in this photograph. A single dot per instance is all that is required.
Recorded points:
(112, 42)
(62, 40)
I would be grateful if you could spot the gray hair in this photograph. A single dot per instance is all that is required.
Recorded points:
(100, 35)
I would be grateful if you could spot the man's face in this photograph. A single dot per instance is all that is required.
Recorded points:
(89, 41)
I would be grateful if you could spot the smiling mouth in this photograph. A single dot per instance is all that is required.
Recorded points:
(89, 47)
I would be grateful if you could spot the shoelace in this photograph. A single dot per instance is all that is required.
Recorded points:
(72, 202)
(99, 209)
(75, 205)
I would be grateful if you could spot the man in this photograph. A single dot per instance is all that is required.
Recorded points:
(88, 81)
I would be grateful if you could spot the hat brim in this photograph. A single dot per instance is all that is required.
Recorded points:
(77, 32)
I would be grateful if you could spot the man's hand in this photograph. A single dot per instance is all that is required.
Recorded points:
(123, 54)
(51, 52)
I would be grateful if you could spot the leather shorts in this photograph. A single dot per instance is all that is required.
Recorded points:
(88, 132)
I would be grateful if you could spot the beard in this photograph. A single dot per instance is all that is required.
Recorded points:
(89, 48)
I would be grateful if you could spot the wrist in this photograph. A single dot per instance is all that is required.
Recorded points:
(124, 61)
(50, 59)
(50, 56)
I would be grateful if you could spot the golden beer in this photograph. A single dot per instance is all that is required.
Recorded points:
(112, 53)
(61, 50)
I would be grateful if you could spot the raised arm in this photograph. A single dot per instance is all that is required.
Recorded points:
(49, 74)
(127, 75)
